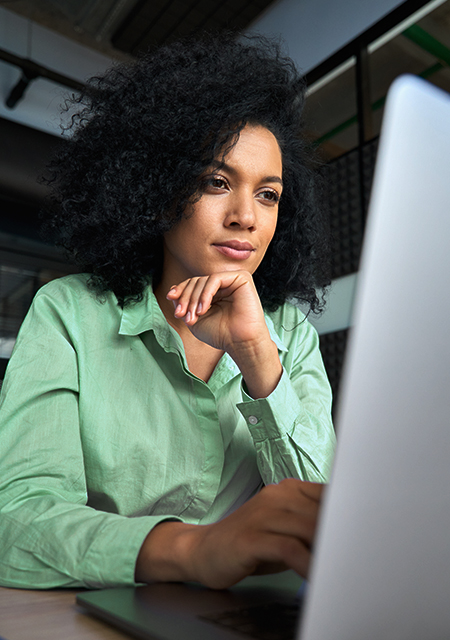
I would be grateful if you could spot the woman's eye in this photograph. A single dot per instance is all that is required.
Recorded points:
(214, 182)
(219, 183)
(272, 197)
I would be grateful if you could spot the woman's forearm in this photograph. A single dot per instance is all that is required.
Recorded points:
(165, 553)
(271, 532)
(260, 366)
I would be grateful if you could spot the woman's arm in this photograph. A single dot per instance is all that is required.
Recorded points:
(49, 536)
(292, 428)
(286, 397)
(271, 532)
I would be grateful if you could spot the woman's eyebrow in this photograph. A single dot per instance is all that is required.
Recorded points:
(223, 165)
(272, 179)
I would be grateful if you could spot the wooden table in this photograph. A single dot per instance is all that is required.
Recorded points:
(49, 615)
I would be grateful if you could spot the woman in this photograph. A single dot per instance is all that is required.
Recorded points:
(166, 415)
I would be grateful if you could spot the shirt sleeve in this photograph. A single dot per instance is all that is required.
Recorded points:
(49, 536)
(292, 428)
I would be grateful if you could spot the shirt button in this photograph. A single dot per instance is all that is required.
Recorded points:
(252, 419)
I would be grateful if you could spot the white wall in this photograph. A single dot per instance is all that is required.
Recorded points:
(40, 107)
(339, 309)
(315, 29)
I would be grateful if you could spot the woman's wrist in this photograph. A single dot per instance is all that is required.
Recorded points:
(166, 553)
(260, 366)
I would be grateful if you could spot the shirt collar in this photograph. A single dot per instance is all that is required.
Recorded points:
(146, 315)
(141, 316)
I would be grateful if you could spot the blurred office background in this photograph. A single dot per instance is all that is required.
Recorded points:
(349, 51)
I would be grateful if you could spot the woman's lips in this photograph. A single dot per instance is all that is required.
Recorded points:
(235, 250)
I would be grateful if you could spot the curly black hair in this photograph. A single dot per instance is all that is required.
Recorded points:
(143, 135)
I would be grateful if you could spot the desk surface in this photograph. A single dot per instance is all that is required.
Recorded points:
(49, 615)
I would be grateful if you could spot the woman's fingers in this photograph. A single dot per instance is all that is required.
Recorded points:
(177, 294)
(292, 508)
(311, 490)
(190, 300)
(193, 297)
(281, 552)
(205, 291)
(271, 532)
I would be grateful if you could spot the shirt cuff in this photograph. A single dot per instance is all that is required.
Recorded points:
(275, 415)
(111, 559)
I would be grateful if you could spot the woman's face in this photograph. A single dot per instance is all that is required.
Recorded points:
(232, 224)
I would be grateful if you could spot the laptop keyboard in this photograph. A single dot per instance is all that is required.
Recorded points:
(271, 621)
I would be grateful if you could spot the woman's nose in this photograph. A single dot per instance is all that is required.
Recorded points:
(242, 212)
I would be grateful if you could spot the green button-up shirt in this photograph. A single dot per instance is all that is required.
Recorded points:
(104, 432)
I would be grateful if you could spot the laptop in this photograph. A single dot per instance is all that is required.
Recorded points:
(381, 566)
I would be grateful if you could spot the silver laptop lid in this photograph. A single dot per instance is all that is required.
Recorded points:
(382, 567)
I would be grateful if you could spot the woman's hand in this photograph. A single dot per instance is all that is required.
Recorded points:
(271, 532)
(224, 311)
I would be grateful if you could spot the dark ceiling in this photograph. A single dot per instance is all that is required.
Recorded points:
(153, 22)
(121, 28)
